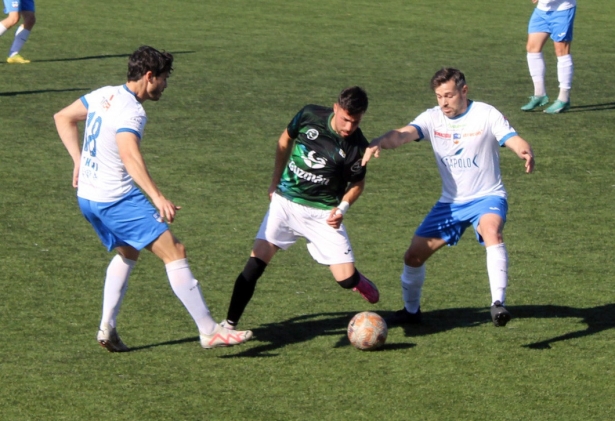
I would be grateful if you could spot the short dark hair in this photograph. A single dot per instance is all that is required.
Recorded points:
(446, 74)
(146, 59)
(353, 100)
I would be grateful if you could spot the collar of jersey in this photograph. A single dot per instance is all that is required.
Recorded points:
(330, 127)
(126, 87)
(470, 102)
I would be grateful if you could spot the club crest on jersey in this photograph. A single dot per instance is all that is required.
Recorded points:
(314, 162)
(311, 134)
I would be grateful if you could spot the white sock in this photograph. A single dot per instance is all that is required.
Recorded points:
(2, 29)
(116, 284)
(21, 36)
(412, 280)
(536, 64)
(497, 269)
(188, 291)
(565, 70)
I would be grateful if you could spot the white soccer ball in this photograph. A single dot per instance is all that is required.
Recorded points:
(367, 331)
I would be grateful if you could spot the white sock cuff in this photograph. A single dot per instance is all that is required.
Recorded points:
(567, 59)
(497, 250)
(534, 55)
(126, 261)
(177, 265)
(410, 274)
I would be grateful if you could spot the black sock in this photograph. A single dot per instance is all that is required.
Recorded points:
(244, 288)
(351, 282)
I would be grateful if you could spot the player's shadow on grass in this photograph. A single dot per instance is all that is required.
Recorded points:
(596, 319)
(303, 329)
(102, 56)
(592, 107)
(42, 91)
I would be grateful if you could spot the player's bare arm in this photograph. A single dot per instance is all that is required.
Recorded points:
(352, 194)
(66, 123)
(523, 150)
(282, 153)
(390, 140)
(130, 154)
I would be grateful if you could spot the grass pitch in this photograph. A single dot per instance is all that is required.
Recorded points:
(242, 70)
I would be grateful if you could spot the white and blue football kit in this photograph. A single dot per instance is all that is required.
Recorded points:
(554, 17)
(18, 6)
(108, 197)
(466, 150)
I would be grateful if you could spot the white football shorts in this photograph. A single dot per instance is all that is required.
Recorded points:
(286, 221)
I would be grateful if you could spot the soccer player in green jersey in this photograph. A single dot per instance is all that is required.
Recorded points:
(316, 177)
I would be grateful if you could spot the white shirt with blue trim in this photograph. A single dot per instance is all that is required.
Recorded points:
(466, 149)
(555, 5)
(111, 110)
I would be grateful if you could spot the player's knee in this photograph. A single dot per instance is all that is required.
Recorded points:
(28, 22)
(491, 234)
(11, 20)
(413, 259)
(254, 269)
(180, 250)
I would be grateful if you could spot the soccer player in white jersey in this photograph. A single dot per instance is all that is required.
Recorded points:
(16, 9)
(465, 136)
(554, 18)
(107, 170)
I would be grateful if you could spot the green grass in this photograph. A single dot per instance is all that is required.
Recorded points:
(242, 70)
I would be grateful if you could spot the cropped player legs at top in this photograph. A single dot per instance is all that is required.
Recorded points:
(535, 44)
(21, 35)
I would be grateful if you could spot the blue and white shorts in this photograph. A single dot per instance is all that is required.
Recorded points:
(557, 23)
(18, 6)
(448, 221)
(130, 221)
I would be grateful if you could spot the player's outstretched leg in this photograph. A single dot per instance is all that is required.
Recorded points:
(367, 289)
(222, 336)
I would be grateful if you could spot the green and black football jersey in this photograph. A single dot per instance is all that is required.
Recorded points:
(322, 163)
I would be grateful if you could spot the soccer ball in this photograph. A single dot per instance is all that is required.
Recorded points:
(367, 331)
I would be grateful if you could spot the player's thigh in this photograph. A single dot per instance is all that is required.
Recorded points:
(128, 252)
(274, 228)
(327, 245)
(536, 41)
(29, 19)
(421, 249)
(442, 222)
